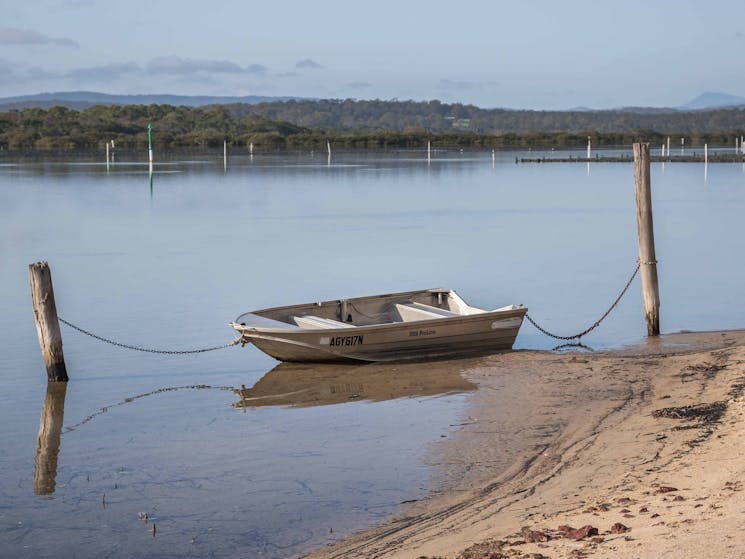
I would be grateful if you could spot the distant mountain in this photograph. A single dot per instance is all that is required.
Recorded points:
(713, 100)
(83, 99)
(633, 110)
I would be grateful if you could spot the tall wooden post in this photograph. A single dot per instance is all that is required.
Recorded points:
(47, 325)
(647, 257)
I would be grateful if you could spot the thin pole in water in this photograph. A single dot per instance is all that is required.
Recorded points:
(589, 147)
(150, 145)
(107, 155)
(682, 146)
(668, 146)
(225, 155)
(493, 159)
(429, 151)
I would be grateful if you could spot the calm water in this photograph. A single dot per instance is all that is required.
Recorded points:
(172, 266)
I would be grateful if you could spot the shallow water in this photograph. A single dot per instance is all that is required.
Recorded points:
(172, 266)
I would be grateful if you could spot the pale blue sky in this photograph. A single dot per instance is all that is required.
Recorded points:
(540, 54)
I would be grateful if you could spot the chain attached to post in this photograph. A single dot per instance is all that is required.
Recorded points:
(145, 349)
(598, 321)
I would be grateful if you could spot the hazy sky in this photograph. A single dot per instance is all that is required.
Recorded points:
(529, 54)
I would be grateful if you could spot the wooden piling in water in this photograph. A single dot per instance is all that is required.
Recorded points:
(47, 324)
(647, 256)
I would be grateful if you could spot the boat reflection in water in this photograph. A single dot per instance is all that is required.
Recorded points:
(48, 440)
(317, 384)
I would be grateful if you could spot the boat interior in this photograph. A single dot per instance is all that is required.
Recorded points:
(410, 306)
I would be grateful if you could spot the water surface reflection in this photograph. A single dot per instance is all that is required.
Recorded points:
(314, 384)
(48, 440)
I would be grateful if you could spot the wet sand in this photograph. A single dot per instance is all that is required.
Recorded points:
(640, 447)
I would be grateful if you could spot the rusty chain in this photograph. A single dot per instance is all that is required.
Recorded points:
(145, 349)
(598, 321)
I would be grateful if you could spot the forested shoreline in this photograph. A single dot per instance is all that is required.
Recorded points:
(354, 124)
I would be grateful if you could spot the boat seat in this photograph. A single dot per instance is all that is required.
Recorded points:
(316, 322)
(408, 312)
(435, 310)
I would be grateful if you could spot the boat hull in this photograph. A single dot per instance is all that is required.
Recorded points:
(479, 333)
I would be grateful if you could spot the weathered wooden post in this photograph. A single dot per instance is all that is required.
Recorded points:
(47, 324)
(647, 257)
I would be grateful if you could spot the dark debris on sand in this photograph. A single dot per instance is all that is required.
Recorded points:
(493, 549)
(704, 413)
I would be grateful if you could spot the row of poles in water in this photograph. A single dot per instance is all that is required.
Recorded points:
(664, 149)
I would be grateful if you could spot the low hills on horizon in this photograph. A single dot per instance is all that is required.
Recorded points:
(79, 100)
(86, 120)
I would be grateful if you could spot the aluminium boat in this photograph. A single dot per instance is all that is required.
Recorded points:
(430, 323)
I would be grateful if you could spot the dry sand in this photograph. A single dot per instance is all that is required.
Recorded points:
(645, 446)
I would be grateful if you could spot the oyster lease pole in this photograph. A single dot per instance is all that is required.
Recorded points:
(150, 146)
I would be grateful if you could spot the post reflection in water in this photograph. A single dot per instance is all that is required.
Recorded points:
(48, 440)
(302, 385)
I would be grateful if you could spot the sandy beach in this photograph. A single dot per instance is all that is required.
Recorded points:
(630, 453)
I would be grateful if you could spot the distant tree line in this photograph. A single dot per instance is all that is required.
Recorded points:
(438, 117)
(354, 124)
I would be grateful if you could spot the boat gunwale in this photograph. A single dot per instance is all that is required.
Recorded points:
(450, 320)
(348, 299)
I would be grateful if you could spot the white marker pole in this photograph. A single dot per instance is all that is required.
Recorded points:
(251, 148)
(682, 146)
(668, 146)
(589, 147)
(429, 151)
(662, 150)
(107, 156)
(225, 155)
(493, 159)
(706, 154)
(328, 147)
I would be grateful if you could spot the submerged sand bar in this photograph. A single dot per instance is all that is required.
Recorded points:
(649, 438)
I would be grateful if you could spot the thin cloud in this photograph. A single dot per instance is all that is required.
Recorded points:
(104, 72)
(308, 64)
(5, 70)
(37, 73)
(457, 85)
(14, 36)
(287, 75)
(256, 69)
(358, 85)
(175, 66)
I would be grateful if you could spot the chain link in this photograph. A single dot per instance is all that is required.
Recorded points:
(598, 321)
(145, 349)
